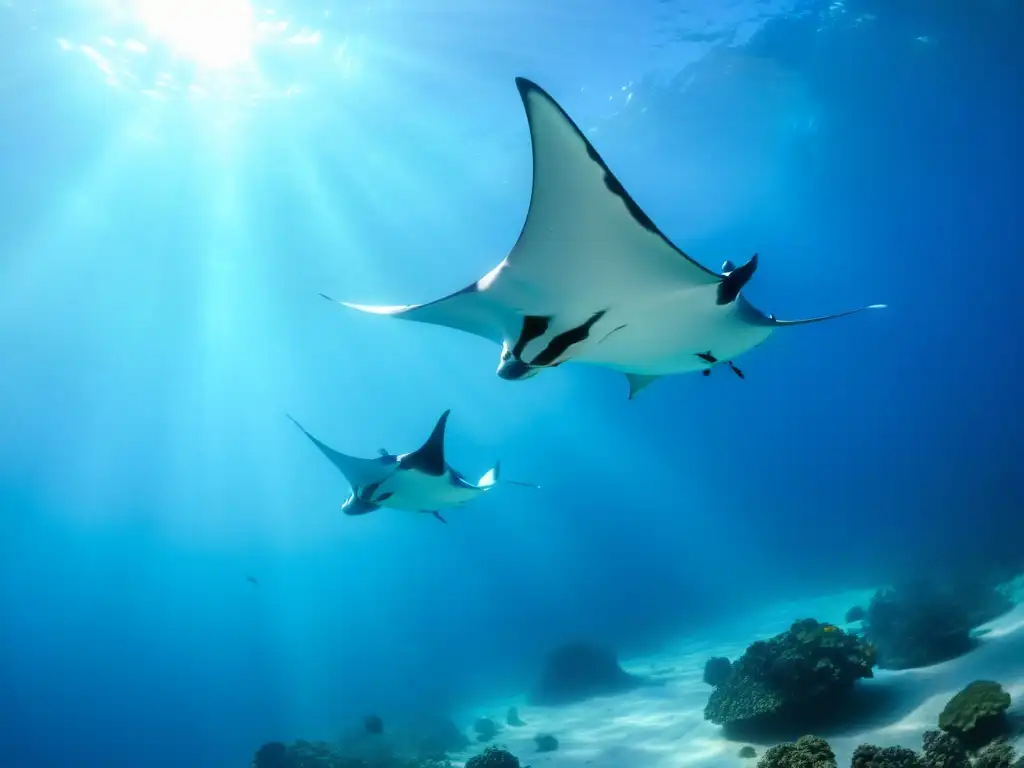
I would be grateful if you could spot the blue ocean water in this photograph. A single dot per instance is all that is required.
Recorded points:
(180, 181)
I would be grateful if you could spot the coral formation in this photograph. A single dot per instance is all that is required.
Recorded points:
(716, 671)
(790, 674)
(546, 742)
(579, 671)
(805, 752)
(320, 754)
(926, 622)
(512, 718)
(996, 755)
(486, 729)
(747, 752)
(943, 750)
(855, 614)
(493, 757)
(977, 714)
(273, 754)
(870, 756)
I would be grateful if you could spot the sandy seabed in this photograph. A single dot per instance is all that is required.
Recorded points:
(663, 725)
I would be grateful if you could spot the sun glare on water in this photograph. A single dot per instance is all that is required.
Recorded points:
(212, 33)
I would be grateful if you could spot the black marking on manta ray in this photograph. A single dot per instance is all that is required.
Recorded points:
(534, 326)
(611, 182)
(613, 330)
(561, 343)
(385, 496)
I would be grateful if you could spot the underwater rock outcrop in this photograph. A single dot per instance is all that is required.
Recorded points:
(485, 728)
(977, 714)
(545, 742)
(273, 754)
(747, 752)
(513, 719)
(578, 671)
(790, 676)
(805, 752)
(914, 625)
(855, 614)
(716, 670)
(493, 757)
(926, 622)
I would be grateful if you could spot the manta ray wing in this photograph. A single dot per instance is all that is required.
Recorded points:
(469, 310)
(359, 472)
(585, 245)
(585, 241)
(429, 458)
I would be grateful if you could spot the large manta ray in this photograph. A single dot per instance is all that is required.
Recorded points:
(419, 481)
(591, 279)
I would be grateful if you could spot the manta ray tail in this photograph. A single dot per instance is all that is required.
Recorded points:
(493, 476)
(826, 317)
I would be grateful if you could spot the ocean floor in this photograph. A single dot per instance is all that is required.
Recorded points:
(663, 726)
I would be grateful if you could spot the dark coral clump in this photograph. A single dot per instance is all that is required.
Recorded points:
(486, 729)
(273, 754)
(513, 719)
(997, 755)
(493, 757)
(716, 671)
(747, 752)
(805, 752)
(855, 614)
(791, 675)
(579, 671)
(925, 622)
(545, 742)
(943, 750)
(977, 714)
(870, 756)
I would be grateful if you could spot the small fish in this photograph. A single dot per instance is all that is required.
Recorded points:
(373, 724)
(829, 628)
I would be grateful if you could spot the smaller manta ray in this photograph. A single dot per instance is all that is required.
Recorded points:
(252, 580)
(593, 280)
(419, 481)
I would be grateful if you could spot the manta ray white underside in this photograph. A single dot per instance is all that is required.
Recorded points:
(591, 279)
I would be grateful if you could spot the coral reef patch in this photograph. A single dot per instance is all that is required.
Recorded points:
(791, 675)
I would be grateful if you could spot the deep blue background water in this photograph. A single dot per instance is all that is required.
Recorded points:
(161, 260)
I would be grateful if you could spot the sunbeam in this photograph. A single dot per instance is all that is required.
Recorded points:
(213, 33)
